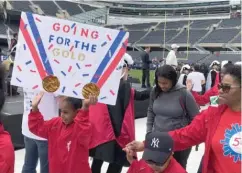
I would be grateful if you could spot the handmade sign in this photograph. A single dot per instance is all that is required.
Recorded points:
(68, 58)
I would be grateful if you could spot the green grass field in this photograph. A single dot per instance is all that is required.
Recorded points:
(138, 74)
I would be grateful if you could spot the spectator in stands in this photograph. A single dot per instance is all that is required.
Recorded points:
(113, 126)
(185, 70)
(157, 156)
(37, 147)
(171, 107)
(215, 67)
(219, 127)
(171, 57)
(6, 146)
(146, 68)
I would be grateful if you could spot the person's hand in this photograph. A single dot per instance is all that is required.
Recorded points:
(36, 101)
(189, 85)
(92, 100)
(136, 146)
(129, 154)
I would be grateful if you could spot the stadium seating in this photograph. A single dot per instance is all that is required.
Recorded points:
(203, 24)
(198, 29)
(172, 25)
(138, 27)
(221, 36)
(157, 37)
(201, 32)
(237, 39)
(233, 22)
(21, 6)
(136, 35)
(70, 7)
(194, 36)
(222, 57)
(48, 7)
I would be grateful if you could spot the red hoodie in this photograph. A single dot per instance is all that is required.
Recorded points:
(6, 152)
(68, 145)
(142, 167)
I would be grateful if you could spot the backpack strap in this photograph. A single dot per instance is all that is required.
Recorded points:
(182, 100)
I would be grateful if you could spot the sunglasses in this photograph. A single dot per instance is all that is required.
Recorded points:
(226, 88)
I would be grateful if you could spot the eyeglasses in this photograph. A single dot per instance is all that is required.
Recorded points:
(226, 88)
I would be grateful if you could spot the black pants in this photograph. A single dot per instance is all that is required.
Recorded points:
(146, 77)
(182, 157)
(112, 168)
(200, 166)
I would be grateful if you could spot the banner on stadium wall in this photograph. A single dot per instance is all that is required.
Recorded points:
(75, 53)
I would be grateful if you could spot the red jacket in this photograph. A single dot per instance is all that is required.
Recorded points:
(205, 98)
(142, 167)
(6, 152)
(202, 129)
(102, 129)
(68, 145)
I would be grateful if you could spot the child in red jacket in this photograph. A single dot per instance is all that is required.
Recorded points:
(68, 135)
(157, 156)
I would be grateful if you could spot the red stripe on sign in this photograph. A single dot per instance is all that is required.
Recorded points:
(112, 66)
(32, 49)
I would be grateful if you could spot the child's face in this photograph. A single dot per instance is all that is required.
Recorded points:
(159, 168)
(68, 113)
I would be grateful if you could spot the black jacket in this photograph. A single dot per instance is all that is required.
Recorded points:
(145, 60)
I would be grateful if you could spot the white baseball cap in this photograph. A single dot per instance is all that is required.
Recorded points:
(174, 46)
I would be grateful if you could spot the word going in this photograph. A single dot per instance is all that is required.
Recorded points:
(83, 32)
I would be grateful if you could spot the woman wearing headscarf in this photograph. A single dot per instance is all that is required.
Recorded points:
(215, 66)
(113, 126)
(183, 74)
(6, 146)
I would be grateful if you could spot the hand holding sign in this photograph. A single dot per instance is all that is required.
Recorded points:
(60, 56)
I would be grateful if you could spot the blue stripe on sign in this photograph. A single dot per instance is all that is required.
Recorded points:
(107, 58)
(39, 43)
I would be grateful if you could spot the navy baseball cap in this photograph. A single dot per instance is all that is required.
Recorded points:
(158, 147)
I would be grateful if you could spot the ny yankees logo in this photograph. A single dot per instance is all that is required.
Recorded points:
(155, 143)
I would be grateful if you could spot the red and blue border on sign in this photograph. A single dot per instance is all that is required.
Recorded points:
(42, 62)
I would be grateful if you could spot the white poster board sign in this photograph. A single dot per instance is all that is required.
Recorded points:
(75, 53)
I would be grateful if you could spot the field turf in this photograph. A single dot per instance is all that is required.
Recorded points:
(138, 74)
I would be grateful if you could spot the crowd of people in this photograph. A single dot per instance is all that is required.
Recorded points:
(63, 132)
